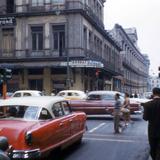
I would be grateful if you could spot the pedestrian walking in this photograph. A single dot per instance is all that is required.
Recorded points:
(152, 115)
(126, 109)
(117, 111)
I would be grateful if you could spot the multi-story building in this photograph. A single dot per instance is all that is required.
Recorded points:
(135, 64)
(154, 81)
(58, 44)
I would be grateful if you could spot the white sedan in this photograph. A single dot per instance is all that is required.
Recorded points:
(72, 94)
(26, 93)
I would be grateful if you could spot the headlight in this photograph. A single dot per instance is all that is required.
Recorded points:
(28, 138)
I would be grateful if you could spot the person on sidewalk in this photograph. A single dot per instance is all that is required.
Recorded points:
(152, 115)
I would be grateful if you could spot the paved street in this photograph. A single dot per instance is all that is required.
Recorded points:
(100, 142)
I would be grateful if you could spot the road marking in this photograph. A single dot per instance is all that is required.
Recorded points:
(115, 138)
(114, 135)
(112, 140)
(95, 128)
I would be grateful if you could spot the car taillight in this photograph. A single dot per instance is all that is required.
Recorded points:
(28, 138)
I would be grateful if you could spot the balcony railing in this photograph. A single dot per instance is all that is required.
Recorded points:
(24, 54)
(72, 6)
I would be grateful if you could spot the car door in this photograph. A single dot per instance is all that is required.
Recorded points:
(72, 117)
(62, 120)
(53, 132)
(94, 105)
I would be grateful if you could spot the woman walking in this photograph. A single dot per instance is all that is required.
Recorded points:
(126, 109)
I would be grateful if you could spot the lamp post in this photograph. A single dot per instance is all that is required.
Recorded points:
(67, 54)
(57, 12)
(68, 70)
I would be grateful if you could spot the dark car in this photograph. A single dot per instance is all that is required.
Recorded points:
(101, 102)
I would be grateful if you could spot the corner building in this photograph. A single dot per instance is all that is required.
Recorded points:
(58, 44)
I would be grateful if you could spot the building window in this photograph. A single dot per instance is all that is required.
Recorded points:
(85, 37)
(57, 1)
(59, 38)
(8, 43)
(10, 6)
(37, 38)
(37, 2)
(36, 84)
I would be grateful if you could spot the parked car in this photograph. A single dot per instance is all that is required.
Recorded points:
(101, 102)
(35, 126)
(72, 94)
(26, 93)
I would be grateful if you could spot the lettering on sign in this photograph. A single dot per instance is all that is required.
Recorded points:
(6, 21)
(83, 63)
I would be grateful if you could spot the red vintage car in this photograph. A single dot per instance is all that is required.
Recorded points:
(101, 102)
(35, 126)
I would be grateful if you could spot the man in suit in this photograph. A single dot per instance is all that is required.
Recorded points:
(152, 115)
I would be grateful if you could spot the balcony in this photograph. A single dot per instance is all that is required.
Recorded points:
(29, 54)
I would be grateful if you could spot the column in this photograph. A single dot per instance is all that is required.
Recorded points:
(47, 80)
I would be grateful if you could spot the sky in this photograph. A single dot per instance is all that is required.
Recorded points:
(144, 15)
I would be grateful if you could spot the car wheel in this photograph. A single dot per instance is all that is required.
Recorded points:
(79, 141)
(55, 154)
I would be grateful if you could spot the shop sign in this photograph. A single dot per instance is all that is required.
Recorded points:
(7, 21)
(84, 63)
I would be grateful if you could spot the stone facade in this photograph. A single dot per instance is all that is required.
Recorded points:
(135, 64)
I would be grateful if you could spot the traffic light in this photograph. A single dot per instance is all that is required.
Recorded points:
(5, 74)
(159, 71)
(97, 72)
(1, 75)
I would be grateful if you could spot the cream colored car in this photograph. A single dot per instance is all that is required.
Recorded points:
(72, 94)
(27, 93)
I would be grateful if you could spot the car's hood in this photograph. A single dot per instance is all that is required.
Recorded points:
(15, 129)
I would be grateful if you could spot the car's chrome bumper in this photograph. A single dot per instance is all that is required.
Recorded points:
(25, 154)
(138, 112)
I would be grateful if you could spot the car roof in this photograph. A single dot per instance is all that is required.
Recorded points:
(31, 91)
(43, 101)
(103, 92)
(78, 91)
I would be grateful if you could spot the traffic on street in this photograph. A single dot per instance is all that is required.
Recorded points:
(73, 89)
(100, 142)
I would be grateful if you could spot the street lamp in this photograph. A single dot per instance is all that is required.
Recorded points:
(57, 12)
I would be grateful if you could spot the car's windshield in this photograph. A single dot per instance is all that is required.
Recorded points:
(18, 111)
(94, 97)
(103, 97)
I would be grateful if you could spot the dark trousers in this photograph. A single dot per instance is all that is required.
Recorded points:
(154, 148)
(116, 121)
